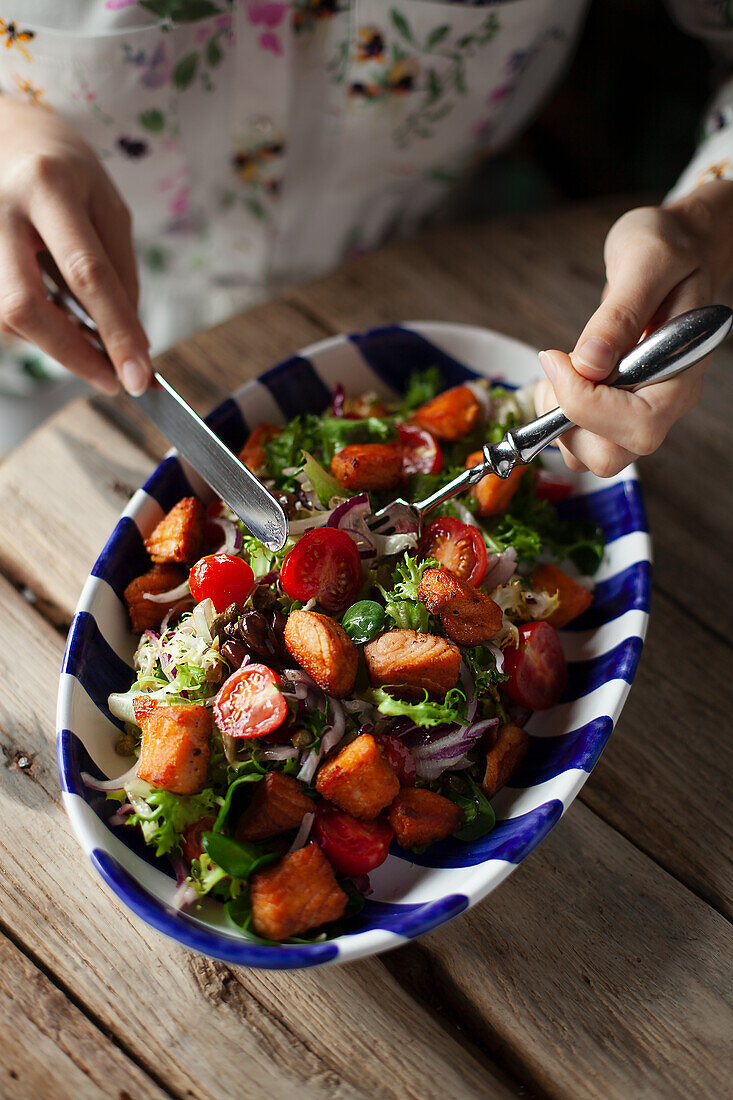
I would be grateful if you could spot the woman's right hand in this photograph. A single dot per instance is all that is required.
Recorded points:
(55, 194)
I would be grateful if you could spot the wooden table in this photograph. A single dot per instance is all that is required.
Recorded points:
(600, 969)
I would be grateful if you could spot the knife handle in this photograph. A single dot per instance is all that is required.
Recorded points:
(673, 348)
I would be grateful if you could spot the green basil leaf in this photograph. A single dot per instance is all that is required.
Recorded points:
(237, 859)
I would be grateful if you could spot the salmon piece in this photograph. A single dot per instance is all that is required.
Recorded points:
(364, 466)
(323, 649)
(174, 751)
(146, 614)
(504, 757)
(406, 659)
(493, 494)
(278, 804)
(420, 817)
(179, 537)
(252, 454)
(143, 706)
(449, 416)
(297, 893)
(574, 598)
(358, 779)
(468, 615)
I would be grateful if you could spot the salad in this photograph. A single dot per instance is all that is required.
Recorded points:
(296, 714)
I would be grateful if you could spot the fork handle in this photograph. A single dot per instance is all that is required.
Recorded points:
(673, 348)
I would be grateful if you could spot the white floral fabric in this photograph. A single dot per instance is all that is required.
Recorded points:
(258, 142)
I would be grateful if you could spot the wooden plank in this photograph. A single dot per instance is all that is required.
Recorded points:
(664, 779)
(593, 970)
(50, 1049)
(207, 367)
(61, 494)
(513, 975)
(344, 1033)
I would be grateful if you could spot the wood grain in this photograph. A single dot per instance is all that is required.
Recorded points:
(205, 1029)
(51, 1050)
(513, 974)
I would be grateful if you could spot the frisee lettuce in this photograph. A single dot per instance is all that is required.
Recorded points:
(402, 605)
(170, 814)
(426, 712)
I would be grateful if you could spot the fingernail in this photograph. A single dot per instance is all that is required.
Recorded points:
(135, 377)
(547, 365)
(597, 355)
(106, 383)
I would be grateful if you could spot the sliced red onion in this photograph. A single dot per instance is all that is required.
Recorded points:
(203, 617)
(184, 896)
(180, 592)
(352, 507)
(308, 765)
(232, 535)
(120, 816)
(337, 401)
(500, 568)
(302, 834)
(363, 885)
(446, 746)
(174, 610)
(333, 734)
(481, 392)
(298, 527)
(279, 752)
(118, 784)
(498, 656)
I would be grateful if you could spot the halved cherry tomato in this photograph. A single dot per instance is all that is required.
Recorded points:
(191, 845)
(222, 578)
(249, 703)
(537, 669)
(323, 565)
(350, 846)
(420, 452)
(399, 758)
(458, 546)
(552, 487)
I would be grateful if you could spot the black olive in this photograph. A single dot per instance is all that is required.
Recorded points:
(235, 653)
(264, 599)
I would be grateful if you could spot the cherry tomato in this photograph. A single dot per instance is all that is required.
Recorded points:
(552, 487)
(213, 534)
(191, 845)
(323, 565)
(249, 703)
(399, 758)
(420, 452)
(537, 670)
(350, 846)
(458, 546)
(223, 578)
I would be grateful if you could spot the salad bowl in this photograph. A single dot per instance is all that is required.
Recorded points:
(410, 893)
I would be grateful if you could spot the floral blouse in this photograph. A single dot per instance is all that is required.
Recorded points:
(258, 142)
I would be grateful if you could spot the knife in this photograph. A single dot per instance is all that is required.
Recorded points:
(228, 477)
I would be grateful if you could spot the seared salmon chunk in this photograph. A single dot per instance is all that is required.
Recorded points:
(359, 780)
(574, 598)
(449, 416)
(179, 537)
(493, 494)
(421, 817)
(146, 614)
(468, 615)
(297, 893)
(174, 749)
(278, 804)
(416, 662)
(366, 466)
(323, 649)
(504, 757)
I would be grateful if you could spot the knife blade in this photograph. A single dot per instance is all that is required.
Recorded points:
(235, 484)
(228, 477)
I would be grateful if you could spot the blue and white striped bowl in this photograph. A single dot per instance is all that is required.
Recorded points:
(411, 894)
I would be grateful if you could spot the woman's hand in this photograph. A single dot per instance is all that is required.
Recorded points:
(660, 261)
(54, 193)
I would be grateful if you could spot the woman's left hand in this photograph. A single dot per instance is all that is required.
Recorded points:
(660, 261)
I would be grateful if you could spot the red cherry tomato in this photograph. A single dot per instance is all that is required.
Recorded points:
(350, 846)
(399, 758)
(420, 452)
(537, 669)
(191, 845)
(552, 487)
(249, 703)
(323, 565)
(222, 578)
(213, 534)
(458, 546)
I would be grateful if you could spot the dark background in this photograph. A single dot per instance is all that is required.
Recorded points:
(624, 119)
